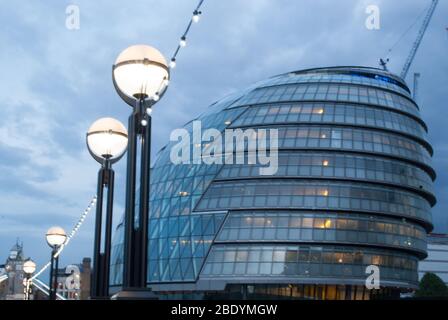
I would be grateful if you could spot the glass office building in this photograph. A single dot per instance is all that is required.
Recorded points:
(354, 187)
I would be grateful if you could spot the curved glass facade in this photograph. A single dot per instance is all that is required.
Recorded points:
(331, 113)
(254, 261)
(339, 166)
(330, 92)
(323, 227)
(312, 194)
(356, 140)
(354, 188)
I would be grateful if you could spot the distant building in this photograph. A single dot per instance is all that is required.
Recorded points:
(12, 287)
(74, 281)
(3, 282)
(86, 273)
(437, 260)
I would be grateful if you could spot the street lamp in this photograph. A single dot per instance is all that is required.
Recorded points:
(107, 140)
(55, 237)
(140, 76)
(28, 267)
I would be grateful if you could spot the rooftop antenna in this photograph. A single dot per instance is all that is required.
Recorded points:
(383, 64)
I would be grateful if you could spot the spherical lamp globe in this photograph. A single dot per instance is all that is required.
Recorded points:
(56, 237)
(107, 139)
(29, 266)
(140, 72)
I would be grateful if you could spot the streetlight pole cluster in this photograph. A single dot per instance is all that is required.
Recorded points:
(140, 76)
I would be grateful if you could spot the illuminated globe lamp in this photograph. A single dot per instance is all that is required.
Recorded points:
(107, 140)
(29, 267)
(55, 237)
(140, 73)
(141, 76)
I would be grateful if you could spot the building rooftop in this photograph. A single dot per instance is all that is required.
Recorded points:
(438, 238)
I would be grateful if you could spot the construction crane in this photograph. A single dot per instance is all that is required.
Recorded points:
(416, 45)
(417, 42)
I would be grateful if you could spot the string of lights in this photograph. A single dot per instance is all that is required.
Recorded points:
(70, 236)
(183, 40)
(172, 64)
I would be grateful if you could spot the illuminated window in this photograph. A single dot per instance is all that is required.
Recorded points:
(338, 257)
(376, 260)
(323, 224)
(325, 163)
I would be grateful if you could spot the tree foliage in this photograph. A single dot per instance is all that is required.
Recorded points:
(431, 286)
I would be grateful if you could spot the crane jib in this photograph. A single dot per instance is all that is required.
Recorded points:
(417, 42)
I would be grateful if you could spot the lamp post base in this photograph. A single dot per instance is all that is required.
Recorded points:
(135, 294)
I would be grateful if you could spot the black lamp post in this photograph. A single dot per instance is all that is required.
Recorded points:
(140, 76)
(55, 237)
(106, 141)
